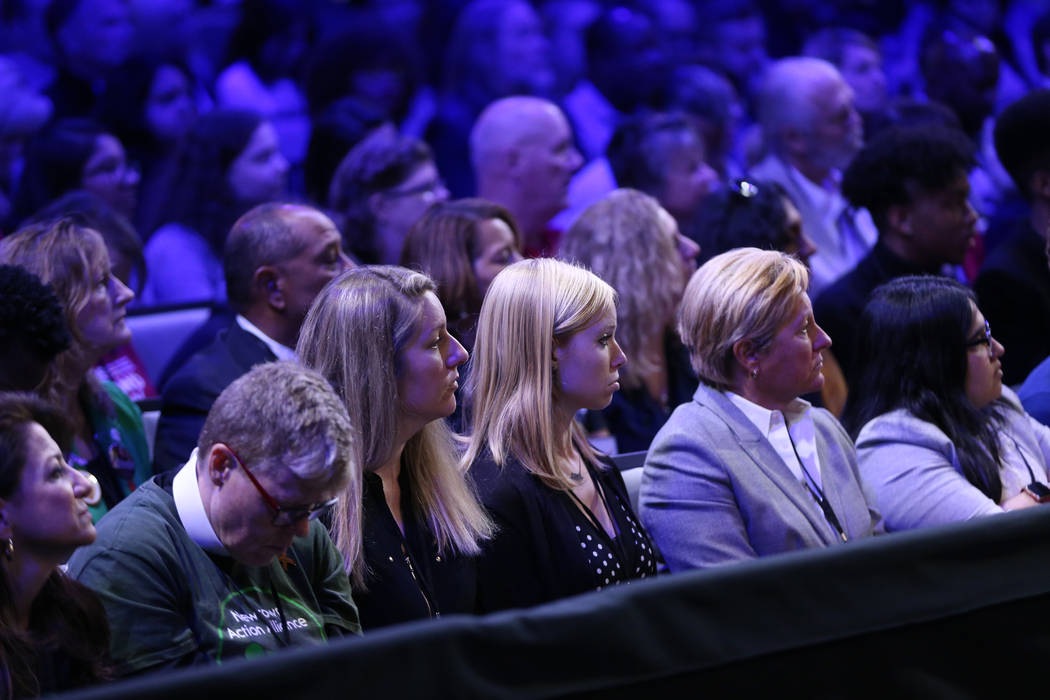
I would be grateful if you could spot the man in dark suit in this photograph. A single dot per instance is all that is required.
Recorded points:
(277, 258)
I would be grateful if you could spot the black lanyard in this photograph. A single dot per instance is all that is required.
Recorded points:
(817, 492)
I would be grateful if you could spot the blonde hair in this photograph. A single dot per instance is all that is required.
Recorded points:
(745, 293)
(71, 258)
(530, 306)
(353, 335)
(622, 240)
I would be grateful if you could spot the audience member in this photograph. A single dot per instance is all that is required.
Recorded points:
(1014, 283)
(109, 442)
(90, 39)
(663, 156)
(939, 438)
(337, 129)
(751, 214)
(623, 56)
(23, 112)
(710, 99)
(496, 49)
(382, 187)
(859, 60)
(76, 154)
(413, 556)
(54, 635)
(914, 183)
(121, 365)
(632, 243)
(748, 469)
(32, 329)
(224, 559)
(231, 163)
(812, 131)
(524, 157)
(462, 245)
(546, 350)
(732, 39)
(277, 258)
(265, 66)
(149, 105)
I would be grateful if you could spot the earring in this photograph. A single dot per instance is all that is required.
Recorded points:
(9, 549)
(754, 373)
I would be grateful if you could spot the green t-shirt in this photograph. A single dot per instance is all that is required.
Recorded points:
(170, 603)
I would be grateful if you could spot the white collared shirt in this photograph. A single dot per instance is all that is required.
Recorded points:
(282, 352)
(798, 428)
(190, 507)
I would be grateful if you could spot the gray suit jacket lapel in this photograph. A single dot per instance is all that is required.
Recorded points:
(761, 452)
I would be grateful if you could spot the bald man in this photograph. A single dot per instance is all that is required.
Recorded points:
(523, 156)
(812, 131)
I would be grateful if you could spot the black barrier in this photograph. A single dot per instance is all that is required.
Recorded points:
(957, 611)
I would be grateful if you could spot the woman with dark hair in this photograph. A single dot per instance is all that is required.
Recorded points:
(939, 439)
(53, 631)
(462, 246)
(75, 154)
(750, 214)
(382, 187)
(231, 163)
(148, 104)
(109, 442)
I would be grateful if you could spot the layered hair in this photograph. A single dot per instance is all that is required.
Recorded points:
(744, 294)
(531, 307)
(624, 240)
(354, 335)
(65, 615)
(444, 244)
(71, 259)
(912, 342)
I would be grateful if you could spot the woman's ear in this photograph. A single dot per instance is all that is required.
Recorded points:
(746, 354)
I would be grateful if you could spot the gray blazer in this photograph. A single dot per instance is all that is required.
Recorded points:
(714, 490)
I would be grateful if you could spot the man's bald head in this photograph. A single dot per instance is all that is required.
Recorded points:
(523, 154)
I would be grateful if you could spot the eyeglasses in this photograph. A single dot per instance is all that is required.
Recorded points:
(431, 189)
(982, 339)
(283, 517)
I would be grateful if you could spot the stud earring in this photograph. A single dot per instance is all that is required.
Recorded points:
(754, 373)
(9, 549)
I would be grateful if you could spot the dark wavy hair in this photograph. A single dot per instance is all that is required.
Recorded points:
(32, 312)
(912, 355)
(901, 159)
(66, 617)
(746, 214)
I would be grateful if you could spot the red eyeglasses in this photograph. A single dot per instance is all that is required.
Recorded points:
(284, 516)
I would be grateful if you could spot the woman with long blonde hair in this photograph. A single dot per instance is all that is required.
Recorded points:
(546, 349)
(378, 334)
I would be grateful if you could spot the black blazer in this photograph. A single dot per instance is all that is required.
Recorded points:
(190, 393)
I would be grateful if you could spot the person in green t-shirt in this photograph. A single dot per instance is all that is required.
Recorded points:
(223, 559)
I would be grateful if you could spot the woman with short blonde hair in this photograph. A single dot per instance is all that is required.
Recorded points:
(546, 349)
(378, 335)
(631, 242)
(747, 468)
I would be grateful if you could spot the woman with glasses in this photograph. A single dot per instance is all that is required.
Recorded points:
(378, 334)
(382, 187)
(939, 438)
(748, 469)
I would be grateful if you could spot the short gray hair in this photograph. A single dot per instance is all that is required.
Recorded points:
(281, 415)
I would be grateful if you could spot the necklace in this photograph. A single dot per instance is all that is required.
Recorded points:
(577, 476)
